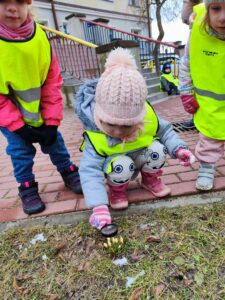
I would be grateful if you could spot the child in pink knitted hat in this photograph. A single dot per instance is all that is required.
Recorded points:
(123, 136)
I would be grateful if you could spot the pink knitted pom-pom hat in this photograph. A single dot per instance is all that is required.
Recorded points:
(121, 91)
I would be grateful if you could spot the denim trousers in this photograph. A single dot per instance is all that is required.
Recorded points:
(22, 155)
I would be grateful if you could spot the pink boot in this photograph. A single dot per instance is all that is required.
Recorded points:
(118, 197)
(152, 183)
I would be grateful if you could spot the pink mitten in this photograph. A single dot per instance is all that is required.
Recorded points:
(100, 216)
(189, 103)
(185, 157)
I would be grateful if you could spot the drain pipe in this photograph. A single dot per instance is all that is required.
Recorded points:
(54, 15)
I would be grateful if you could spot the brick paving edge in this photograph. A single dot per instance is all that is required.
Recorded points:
(135, 208)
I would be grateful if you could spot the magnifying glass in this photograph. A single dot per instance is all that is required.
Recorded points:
(109, 230)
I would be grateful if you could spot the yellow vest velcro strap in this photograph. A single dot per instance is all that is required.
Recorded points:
(29, 95)
(29, 115)
(219, 97)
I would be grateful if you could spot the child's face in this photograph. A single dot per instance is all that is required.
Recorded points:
(167, 70)
(217, 17)
(118, 131)
(13, 13)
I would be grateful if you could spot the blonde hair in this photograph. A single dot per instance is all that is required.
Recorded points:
(206, 22)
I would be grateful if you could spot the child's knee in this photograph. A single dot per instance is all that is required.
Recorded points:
(152, 158)
(121, 170)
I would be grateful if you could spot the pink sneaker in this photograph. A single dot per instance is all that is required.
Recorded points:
(118, 197)
(154, 184)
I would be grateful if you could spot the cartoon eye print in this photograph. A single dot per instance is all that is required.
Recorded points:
(165, 150)
(118, 169)
(154, 155)
(132, 167)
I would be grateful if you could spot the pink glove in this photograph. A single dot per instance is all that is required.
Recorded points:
(189, 103)
(185, 157)
(100, 216)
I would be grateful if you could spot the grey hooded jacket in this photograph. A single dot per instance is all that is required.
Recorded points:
(92, 166)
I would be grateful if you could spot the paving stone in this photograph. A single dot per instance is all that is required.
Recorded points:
(60, 200)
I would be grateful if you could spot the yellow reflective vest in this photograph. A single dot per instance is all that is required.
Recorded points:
(207, 57)
(145, 138)
(23, 70)
(169, 77)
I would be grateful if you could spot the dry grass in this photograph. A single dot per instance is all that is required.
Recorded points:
(180, 251)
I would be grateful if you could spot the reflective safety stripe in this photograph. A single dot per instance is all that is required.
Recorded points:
(29, 115)
(210, 94)
(29, 95)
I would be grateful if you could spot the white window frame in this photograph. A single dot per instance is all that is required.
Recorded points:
(135, 3)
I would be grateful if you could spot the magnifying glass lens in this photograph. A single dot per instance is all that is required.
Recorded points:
(109, 230)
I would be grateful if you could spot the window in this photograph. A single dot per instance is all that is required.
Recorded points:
(42, 22)
(134, 2)
(64, 27)
(136, 31)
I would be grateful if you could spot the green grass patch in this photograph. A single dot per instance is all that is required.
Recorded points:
(171, 253)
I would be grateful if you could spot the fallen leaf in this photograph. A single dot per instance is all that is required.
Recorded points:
(19, 289)
(153, 239)
(53, 296)
(159, 289)
(15, 284)
(84, 265)
(136, 293)
(199, 278)
(188, 282)
(179, 260)
(136, 257)
(59, 246)
(89, 246)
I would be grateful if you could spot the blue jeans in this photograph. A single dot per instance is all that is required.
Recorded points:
(22, 155)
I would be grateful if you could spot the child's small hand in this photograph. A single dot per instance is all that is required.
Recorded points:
(29, 134)
(189, 103)
(49, 134)
(100, 217)
(185, 157)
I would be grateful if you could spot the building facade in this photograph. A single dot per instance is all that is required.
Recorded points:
(64, 15)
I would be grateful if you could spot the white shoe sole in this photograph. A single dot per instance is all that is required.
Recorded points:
(203, 188)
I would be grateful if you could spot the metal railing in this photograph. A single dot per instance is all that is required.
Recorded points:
(153, 53)
(76, 57)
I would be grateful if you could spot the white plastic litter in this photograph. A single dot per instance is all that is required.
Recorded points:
(131, 280)
(120, 261)
(38, 237)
